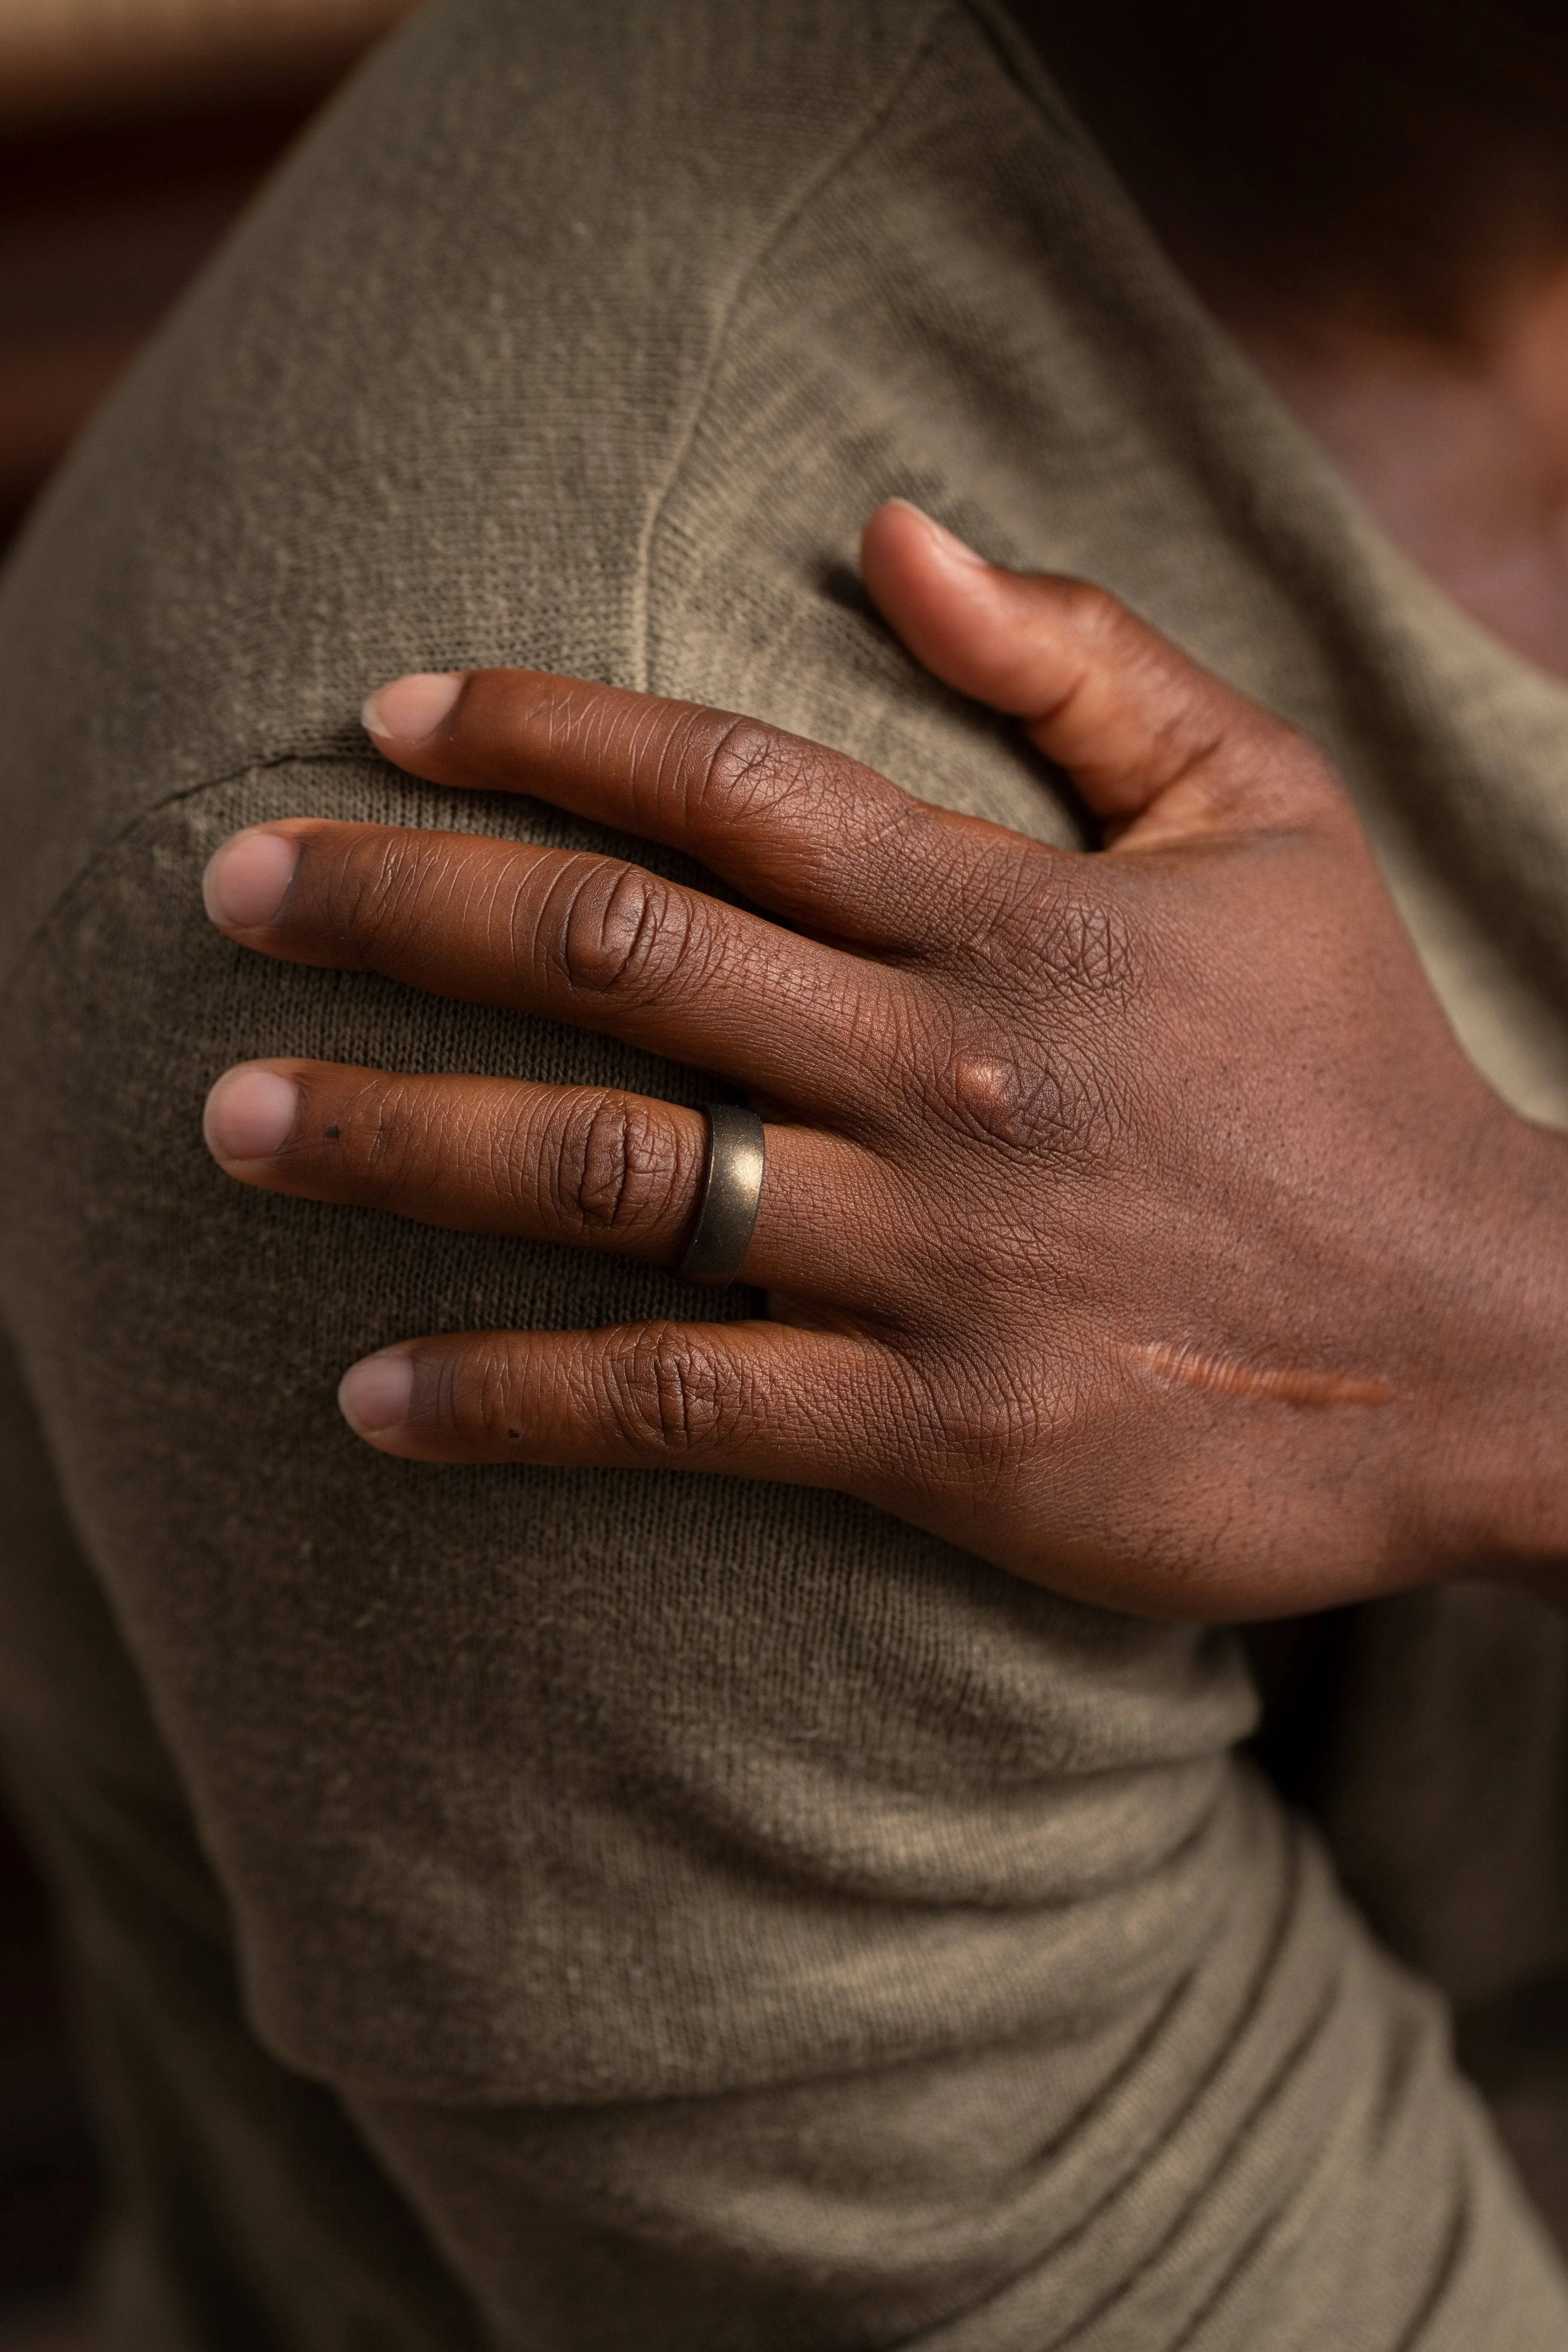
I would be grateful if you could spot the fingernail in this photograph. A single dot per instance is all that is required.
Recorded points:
(947, 541)
(250, 1114)
(410, 709)
(247, 880)
(374, 1395)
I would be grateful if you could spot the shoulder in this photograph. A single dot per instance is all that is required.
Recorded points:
(422, 409)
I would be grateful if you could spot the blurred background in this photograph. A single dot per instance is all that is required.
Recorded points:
(131, 134)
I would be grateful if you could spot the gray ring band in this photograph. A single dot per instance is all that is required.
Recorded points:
(732, 1195)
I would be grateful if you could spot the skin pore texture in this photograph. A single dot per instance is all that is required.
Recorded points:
(1190, 1268)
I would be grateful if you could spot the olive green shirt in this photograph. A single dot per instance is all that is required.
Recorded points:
(563, 1910)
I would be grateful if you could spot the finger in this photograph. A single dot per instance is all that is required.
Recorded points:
(578, 938)
(800, 829)
(754, 1400)
(586, 1166)
(1154, 742)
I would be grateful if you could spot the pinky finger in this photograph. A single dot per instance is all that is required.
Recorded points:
(756, 1400)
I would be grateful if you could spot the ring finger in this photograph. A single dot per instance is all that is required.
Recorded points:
(586, 1166)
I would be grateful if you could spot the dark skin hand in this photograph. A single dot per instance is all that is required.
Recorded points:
(1131, 1218)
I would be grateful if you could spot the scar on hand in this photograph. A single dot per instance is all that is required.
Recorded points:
(1231, 1378)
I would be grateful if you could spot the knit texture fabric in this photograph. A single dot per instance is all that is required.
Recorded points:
(560, 1910)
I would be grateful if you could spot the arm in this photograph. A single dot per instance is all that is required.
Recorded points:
(1131, 1219)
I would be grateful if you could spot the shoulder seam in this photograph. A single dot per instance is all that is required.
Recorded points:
(319, 754)
(334, 749)
(826, 171)
(1024, 65)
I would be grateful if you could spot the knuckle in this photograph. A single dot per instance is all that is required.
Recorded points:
(1273, 776)
(607, 1169)
(667, 1394)
(1098, 618)
(1038, 928)
(977, 1421)
(1084, 947)
(1069, 1105)
(806, 806)
(621, 931)
(752, 770)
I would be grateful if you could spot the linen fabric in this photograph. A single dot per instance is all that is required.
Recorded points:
(559, 1910)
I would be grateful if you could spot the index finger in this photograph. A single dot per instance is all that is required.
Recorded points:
(803, 831)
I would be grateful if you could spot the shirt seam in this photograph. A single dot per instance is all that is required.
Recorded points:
(814, 187)
(85, 877)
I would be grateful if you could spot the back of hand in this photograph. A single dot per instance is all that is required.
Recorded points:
(1129, 1218)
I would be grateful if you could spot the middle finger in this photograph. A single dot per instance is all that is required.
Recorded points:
(580, 937)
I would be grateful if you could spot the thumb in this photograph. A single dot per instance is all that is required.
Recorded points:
(1158, 747)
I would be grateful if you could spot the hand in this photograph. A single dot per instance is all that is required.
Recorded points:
(1130, 1218)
